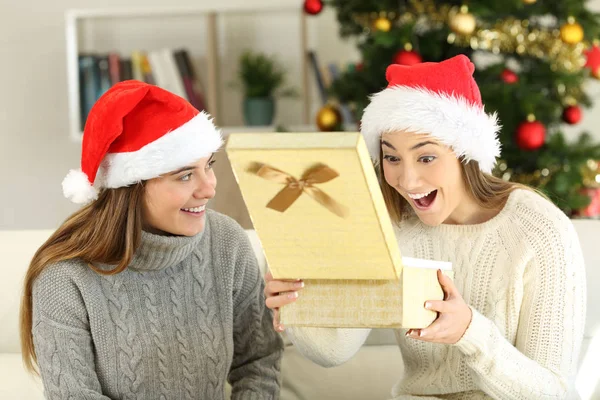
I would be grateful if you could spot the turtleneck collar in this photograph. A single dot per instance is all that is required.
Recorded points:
(158, 252)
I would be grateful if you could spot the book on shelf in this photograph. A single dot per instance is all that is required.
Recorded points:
(147, 74)
(114, 68)
(104, 73)
(171, 69)
(164, 70)
(136, 65)
(126, 71)
(89, 83)
(184, 64)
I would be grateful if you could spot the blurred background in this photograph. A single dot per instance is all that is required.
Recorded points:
(315, 64)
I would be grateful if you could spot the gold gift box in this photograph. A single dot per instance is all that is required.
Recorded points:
(316, 205)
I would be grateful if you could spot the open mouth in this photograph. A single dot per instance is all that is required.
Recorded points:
(425, 200)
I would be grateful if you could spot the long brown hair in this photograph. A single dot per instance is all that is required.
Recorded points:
(106, 231)
(488, 191)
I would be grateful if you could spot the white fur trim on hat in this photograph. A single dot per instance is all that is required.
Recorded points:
(77, 187)
(183, 146)
(454, 121)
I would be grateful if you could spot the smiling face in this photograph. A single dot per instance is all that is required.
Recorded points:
(427, 175)
(174, 204)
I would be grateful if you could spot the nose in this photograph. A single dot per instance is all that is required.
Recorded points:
(408, 178)
(206, 187)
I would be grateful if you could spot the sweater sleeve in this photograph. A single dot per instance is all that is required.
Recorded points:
(543, 360)
(255, 371)
(328, 347)
(62, 339)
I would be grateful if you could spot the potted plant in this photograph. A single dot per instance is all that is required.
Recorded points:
(262, 79)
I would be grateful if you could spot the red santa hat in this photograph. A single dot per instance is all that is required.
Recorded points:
(439, 99)
(135, 132)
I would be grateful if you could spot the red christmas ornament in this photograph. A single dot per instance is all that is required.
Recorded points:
(593, 60)
(572, 115)
(531, 135)
(509, 76)
(593, 209)
(313, 7)
(405, 57)
(360, 66)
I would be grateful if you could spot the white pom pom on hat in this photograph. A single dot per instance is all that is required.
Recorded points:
(77, 187)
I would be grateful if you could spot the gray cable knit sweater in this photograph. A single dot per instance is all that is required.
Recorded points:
(185, 317)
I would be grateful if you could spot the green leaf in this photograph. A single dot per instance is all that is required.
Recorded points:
(261, 75)
(578, 201)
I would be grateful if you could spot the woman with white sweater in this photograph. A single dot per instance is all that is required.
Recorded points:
(512, 321)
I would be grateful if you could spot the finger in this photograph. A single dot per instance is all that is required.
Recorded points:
(281, 300)
(277, 286)
(418, 334)
(268, 276)
(436, 331)
(277, 325)
(412, 333)
(446, 284)
(440, 306)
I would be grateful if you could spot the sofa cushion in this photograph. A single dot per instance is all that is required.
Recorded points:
(15, 383)
(370, 374)
(17, 249)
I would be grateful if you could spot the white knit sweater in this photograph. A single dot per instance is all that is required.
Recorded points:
(523, 275)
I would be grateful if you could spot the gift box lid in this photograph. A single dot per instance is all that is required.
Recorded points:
(316, 205)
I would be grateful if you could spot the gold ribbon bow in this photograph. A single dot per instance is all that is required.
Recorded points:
(295, 187)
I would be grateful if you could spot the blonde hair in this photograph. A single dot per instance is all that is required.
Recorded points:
(106, 231)
(488, 191)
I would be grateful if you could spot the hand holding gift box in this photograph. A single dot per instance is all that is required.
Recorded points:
(317, 208)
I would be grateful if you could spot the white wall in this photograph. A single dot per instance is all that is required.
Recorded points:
(35, 149)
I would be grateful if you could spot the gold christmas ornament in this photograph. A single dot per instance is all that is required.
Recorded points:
(462, 22)
(590, 172)
(506, 36)
(529, 1)
(537, 178)
(378, 21)
(571, 32)
(383, 24)
(328, 118)
(516, 36)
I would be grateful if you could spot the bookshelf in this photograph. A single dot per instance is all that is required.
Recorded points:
(209, 15)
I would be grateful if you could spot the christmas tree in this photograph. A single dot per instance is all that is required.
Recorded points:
(532, 60)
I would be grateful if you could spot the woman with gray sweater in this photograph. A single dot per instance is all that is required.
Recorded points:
(143, 293)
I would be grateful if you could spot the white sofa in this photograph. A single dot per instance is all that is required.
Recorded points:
(369, 375)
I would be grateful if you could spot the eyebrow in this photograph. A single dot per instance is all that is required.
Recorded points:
(191, 167)
(416, 146)
(188, 168)
(388, 145)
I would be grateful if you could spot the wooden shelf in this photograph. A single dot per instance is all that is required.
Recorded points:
(211, 12)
